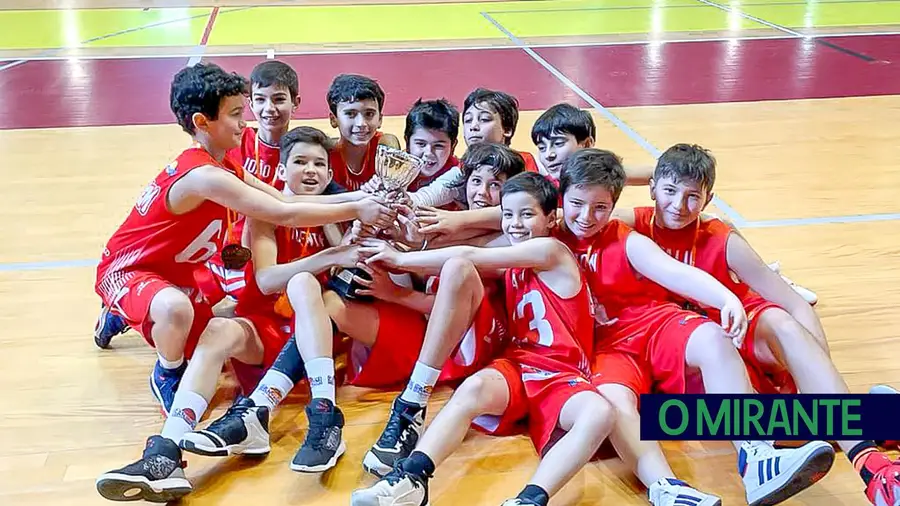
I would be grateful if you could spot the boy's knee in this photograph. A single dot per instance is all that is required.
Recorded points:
(458, 271)
(172, 307)
(474, 395)
(710, 345)
(222, 336)
(302, 286)
(622, 398)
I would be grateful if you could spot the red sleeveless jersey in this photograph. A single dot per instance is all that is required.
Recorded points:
(548, 332)
(530, 163)
(344, 175)
(703, 245)
(292, 244)
(260, 159)
(155, 240)
(613, 281)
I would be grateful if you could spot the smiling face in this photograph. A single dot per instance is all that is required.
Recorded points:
(358, 121)
(224, 132)
(555, 150)
(432, 146)
(523, 218)
(483, 187)
(586, 209)
(678, 203)
(272, 106)
(307, 170)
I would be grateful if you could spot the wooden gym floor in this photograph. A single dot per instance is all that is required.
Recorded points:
(797, 99)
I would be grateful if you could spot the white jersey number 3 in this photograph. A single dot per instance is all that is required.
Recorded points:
(538, 323)
(203, 247)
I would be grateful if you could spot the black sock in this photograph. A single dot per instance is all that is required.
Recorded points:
(289, 362)
(419, 464)
(535, 495)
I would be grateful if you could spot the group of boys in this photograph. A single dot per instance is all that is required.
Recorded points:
(515, 281)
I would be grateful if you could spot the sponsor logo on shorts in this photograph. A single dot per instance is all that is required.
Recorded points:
(688, 318)
(172, 168)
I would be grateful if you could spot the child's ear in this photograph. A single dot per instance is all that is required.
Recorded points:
(588, 143)
(296, 104)
(709, 199)
(652, 185)
(333, 120)
(200, 121)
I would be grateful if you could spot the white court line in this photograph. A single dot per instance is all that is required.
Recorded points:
(754, 18)
(339, 51)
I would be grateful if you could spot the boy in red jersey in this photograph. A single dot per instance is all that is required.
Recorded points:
(421, 351)
(253, 338)
(545, 372)
(148, 269)
(274, 96)
(356, 103)
(784, 335)
(644, 341)
(492, 116)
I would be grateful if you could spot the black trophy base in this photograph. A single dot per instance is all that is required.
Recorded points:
(342, 284)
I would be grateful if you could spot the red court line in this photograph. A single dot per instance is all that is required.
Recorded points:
(209, 26)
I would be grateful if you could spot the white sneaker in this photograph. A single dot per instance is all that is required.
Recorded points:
(242, 430)
(772, 476)
(808, 295)
(672, 492)
(397, 488)
(883, 389)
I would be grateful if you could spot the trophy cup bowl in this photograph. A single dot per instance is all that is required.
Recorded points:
(396, 169)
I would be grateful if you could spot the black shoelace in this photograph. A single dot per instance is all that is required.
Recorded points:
(235, 412)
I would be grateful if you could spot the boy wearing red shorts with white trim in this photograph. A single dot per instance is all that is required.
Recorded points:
(543, 375)
(644, 341)
(785, 341)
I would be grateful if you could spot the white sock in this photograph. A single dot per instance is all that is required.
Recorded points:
(166, 364)
(320, 372)
(421, 383)
(272, 389)
(187, 409)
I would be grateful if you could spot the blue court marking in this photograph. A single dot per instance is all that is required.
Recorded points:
(52, 264)
(822, 220)
(730, 212)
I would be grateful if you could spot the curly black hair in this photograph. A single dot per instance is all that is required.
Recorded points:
(201, 88)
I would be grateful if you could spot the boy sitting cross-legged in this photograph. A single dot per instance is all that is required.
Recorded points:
(544, 375)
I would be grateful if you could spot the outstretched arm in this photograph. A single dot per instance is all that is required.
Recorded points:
(223, 188)
(687, 281)
(751, 269)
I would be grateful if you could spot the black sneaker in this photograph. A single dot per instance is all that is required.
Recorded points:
(399, 438)
(242, 430)
(157, 477)
(323, 444)
(397, 487)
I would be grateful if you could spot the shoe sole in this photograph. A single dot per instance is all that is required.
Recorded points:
(191, 447)
(811, 470)
(357, 500)
(125, 488)
(373, 465)
(322, 467)
(99, 340)
(883, 389)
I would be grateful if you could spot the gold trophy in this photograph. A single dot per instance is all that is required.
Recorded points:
(395, 169)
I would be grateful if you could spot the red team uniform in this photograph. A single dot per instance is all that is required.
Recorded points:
(645, 347)
(343, 175)
(548, 358)
(704, 246)
(263, 161)
(401, 332)
(155, 249)
(530, 163)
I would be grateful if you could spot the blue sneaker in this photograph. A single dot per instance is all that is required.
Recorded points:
(108, 325)
(164, 382)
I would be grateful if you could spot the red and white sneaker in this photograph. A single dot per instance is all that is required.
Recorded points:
(883, 488)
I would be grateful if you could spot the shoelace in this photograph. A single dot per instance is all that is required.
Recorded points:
(394, 428)
(235, 411)
(316, 436)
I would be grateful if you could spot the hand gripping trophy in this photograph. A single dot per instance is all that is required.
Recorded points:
(395, 169)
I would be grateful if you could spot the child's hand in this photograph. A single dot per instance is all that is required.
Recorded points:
(734, 320)
(378, 251)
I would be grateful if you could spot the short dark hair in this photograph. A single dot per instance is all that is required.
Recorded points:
(592, 166)
(438, 115)
(503, 104)
(564, 119)
(354, 88)
(201, 88)
(535, 185)
(304, 134)
(276, 73)
(500, 157)
(688, 162)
